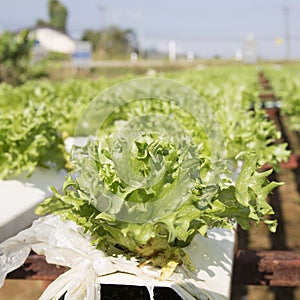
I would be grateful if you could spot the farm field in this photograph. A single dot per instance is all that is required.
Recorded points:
(38, 115)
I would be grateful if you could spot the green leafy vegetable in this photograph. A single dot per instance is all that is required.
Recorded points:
(29, 139)
(286, 84)
(114, 196)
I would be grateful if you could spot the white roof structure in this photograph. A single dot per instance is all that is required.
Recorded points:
(53, 40)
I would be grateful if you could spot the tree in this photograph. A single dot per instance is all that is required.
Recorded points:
(41, 23)
(15, 52)
(58, 15)
(113, 41)
(94, 37)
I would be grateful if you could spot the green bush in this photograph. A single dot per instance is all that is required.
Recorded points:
(15, 52)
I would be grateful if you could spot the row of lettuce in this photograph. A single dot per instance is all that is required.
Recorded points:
(37, 116)
(285, 81)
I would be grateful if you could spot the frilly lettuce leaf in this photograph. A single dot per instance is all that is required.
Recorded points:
(160, 238)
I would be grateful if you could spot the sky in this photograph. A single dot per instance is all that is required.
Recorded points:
(207, 28)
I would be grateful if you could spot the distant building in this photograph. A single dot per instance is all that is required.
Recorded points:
(53, 40)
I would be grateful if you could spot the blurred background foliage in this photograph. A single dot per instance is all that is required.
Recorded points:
(15, 52)
(58, 14)
(112, 42)
(16, 66)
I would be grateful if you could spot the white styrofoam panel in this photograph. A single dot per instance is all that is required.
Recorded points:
(213, 259)
(19, 196)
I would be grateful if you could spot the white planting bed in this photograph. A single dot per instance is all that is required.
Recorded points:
(213, 259)
(18, 198)
(20, 195)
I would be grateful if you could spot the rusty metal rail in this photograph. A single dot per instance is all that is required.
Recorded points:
(272, 268)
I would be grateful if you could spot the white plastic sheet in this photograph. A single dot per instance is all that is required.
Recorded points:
(63, 243)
